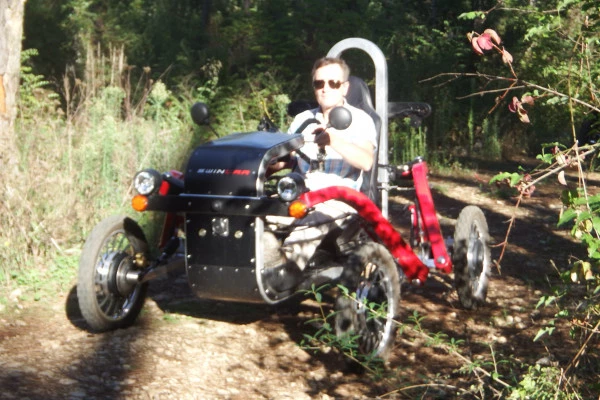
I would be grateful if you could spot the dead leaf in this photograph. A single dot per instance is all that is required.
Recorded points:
(522, 113)
(514, 105)
(507, 58)
(476, 47)
(527, 99)
(561, 178)
(485, 42)
(493, 35)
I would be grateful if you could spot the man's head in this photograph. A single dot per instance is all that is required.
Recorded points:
(330, 82)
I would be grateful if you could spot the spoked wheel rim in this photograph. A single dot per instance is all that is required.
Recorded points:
(115, 295)
(476, 257)
(471, 257)
(366, 311)
(373, 325)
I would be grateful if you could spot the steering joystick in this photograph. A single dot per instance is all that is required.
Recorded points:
(339, 118)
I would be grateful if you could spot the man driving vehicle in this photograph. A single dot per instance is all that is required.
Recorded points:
(347, 153)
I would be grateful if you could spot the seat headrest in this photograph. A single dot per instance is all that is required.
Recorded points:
(358, 93)
(359, 96)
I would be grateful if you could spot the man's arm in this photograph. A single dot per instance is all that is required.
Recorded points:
(357, 144)
(359, 155)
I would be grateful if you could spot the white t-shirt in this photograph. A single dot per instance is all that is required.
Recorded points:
(337, 171)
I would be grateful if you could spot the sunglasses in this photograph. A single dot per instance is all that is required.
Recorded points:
(320, 84)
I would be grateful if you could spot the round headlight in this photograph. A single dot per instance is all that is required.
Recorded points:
(147, 181)
(290, 187)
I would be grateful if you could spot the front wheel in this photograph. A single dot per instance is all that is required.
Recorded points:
(369, 309)
(471, 257)
(108, 299)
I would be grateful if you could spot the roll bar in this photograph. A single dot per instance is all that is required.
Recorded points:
(381, 104)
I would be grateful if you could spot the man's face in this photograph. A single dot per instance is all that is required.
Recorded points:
(329, 97)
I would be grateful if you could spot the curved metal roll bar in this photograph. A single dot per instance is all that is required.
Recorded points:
(381, 104)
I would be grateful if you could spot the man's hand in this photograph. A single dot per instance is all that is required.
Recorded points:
(322, 138)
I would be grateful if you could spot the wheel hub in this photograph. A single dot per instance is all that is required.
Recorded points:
(475, 257)
(117, 265)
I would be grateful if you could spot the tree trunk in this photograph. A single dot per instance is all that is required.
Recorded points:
(11, 33)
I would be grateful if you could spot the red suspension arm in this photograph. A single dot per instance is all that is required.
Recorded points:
(430, 220)
(411, 265)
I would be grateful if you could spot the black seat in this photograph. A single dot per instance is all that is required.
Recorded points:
(359, 96)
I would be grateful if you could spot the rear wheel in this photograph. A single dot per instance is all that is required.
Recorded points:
(107, 298)
(370, 309)
(471, 257)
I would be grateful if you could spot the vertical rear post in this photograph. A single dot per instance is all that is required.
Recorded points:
(381, 104)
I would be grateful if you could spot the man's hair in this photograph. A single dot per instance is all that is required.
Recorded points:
(321, 62)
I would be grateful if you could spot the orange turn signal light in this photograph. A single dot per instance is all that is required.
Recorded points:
(139, 202)
(297, 209)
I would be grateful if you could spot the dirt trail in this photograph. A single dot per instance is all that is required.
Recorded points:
(185, 348)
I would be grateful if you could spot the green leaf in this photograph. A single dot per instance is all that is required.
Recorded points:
(344, 289)
(513, 177)
(567, 215)
(545, 300)
(472, 15)
(557, 100)
(583, 216)
(318, 297)
(545, 158)
(546, 330)
(569, 196)
(593, 202)
(596, 223)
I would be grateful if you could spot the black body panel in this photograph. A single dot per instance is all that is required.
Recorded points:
(218, 205)
(223, 194)
(220, 265)
(235, 165)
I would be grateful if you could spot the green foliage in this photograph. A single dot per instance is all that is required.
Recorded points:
(158, 97)
(39, 284)
(33, 97)
(574, 297)
(87, 159)
(326, 339)
(491, 141)
(406, 141)
(540, 383)
(174, 39)
(247, 39)
(472, 15)
(513, 178)
(575, 300)
(559, 46)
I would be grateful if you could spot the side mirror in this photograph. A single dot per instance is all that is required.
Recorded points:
(200, 114)
(340, 118)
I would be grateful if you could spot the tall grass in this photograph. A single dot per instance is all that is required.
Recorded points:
(406, 141)
(76, 166)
